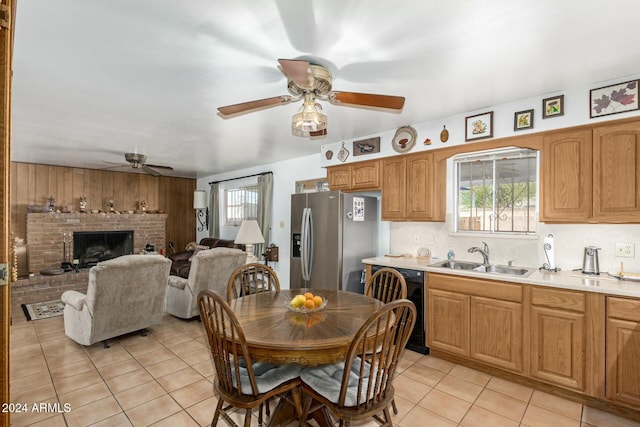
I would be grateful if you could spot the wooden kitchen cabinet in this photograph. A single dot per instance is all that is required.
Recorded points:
(623, 350)
(394, 188)
(566, 166)
(420, 187)
(355, 176)
(496, 332)
(408, 187)
(448, 321)
(616, 172)
(558, 337)
(476, 318)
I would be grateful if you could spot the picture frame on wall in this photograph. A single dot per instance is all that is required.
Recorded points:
(366, 146)
(553, 106)
(479, 126)
(523, 120)
(614, 99)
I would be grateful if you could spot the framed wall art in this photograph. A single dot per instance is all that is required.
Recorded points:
(553, 107)
(523, 120)
(366, 146)
(479, 126)
(614, 99)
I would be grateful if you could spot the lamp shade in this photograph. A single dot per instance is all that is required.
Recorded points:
(249, 233)
(199, 199)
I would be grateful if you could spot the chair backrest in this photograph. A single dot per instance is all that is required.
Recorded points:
(386, 285)
(227, 343)
(387, 332)
(127, 290)
(210, 269)
(252, 279)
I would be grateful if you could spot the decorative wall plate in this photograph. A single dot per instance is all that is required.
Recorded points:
(404, 139)
(328, 154)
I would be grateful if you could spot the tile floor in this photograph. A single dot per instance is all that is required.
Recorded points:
(165, 379)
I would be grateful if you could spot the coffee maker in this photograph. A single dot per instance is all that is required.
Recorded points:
(590, 264)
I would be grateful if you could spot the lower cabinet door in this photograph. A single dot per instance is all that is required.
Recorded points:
(623, 361)
(558, 347)
(448, 322)
(496, 332)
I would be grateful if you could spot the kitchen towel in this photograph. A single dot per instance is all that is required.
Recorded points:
(549, 253)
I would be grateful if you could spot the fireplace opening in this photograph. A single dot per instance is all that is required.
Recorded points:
(91, 247)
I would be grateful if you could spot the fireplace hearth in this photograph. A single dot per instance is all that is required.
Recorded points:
(91, 247)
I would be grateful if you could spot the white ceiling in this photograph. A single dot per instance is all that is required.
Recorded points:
(96, 79)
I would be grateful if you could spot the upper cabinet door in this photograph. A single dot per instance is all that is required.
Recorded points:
(365, 175)
(339, 177)
(394, 187)
(567, 176)
(420, 186)
(616, 173)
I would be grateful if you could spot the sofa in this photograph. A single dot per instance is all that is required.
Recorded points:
(181, 261)
(210, 269)
(124, 294)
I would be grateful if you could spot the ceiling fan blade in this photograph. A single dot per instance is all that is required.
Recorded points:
(254, 105)
(159, 167)
(150, 170)
(368, 99)
(299, 72)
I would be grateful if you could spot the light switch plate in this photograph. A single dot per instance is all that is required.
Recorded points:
(625, 250)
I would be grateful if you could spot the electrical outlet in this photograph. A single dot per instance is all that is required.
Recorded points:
(625, 250)
(416, 238)
(431, 240)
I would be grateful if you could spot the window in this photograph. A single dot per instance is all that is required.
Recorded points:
(240, 204)
(496, 191)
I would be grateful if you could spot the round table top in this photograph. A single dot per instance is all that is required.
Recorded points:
(274, 333)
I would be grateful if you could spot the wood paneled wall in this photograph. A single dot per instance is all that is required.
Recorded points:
(32, 184)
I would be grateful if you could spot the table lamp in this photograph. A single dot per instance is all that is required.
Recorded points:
(248, 235)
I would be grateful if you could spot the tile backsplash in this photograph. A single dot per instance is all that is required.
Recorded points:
(569, 241)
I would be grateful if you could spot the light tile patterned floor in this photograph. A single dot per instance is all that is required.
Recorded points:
(165, 379)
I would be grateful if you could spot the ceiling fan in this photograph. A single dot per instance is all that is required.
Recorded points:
(138, 161)
(312, 82)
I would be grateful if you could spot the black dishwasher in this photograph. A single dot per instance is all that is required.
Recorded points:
(416, 294)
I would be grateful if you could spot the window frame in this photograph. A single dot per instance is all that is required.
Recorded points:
(236, 222)
(498, 154)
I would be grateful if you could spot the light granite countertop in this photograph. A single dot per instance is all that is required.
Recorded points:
(575, 280)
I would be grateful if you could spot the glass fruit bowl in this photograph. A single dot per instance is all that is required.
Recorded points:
(302, 309)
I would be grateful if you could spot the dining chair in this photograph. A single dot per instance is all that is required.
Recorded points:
(251, 279)
(386, 285)
(240, 382)
(361, 386)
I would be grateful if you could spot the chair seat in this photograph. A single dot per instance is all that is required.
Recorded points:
(326, 381)
(268, 376)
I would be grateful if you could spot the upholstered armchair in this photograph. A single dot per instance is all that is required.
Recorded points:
(210, 269)
(124, 294)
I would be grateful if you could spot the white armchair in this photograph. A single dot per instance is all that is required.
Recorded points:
(124, 294)
(210, 269)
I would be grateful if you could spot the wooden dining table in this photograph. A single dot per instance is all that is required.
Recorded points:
(275, 333)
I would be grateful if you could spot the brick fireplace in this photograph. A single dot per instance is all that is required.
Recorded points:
(45, 239)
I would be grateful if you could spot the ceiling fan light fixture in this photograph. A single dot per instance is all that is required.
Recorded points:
(309, 119)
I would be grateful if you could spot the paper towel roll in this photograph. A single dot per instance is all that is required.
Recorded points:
(549, 252)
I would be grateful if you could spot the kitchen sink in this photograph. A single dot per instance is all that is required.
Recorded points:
(458, 265)
(476, 266)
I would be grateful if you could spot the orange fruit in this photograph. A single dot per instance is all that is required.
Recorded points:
(308, 295)
(317, 300)
(309, 304)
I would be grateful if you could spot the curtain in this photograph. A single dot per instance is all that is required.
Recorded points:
(265, 198)
(214, 218)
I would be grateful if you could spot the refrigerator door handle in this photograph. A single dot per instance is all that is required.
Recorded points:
(303, 245)
(310, 243)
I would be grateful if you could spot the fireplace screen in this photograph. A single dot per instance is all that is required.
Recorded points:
(91, 247)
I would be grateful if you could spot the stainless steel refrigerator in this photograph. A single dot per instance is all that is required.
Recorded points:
(331, 232)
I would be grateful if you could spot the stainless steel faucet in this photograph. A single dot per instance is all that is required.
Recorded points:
(484, 252)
